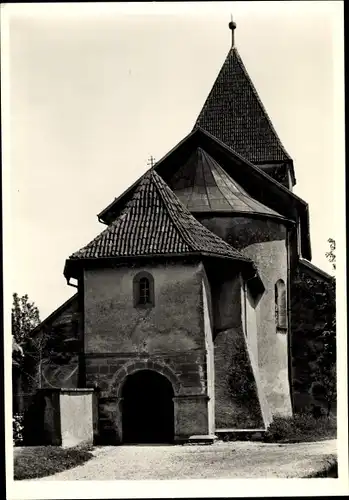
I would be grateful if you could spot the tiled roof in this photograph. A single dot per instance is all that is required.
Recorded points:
(202, 185)
(234, 113)
(251, 177)
(315, 271)
(154, 222)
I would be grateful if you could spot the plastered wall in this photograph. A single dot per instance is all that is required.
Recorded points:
(121, 338)
(265, 242)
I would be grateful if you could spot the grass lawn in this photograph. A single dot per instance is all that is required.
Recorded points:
(39, 461)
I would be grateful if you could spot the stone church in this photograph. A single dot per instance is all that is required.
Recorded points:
(181, 320)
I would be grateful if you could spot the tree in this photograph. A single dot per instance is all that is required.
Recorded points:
(331, 256)
(17, 352)
(25, 317)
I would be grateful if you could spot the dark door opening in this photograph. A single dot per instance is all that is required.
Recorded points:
(147, 412)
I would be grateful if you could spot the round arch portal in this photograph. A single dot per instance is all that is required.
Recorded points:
(131, 367)
(147, 408)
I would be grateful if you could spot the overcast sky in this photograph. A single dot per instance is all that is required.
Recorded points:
(96, 89)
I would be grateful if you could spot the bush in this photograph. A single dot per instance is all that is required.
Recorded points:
(17, 429)
(40, 461)
(301, 427)
(329, 470)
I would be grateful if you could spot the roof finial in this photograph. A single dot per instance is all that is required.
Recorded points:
(232, 26)
(151, 161)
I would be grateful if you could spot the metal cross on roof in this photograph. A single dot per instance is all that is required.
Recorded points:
(151, 161)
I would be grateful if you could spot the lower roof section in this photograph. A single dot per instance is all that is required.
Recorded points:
(153, 223)
(314, 271)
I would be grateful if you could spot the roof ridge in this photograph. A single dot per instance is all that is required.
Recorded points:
(52, 315)
(316, 269)
(255, 166)
(117, 222)
(259, 100)
(202, 152)
(186, 234)
(194, 153)
(209, 159)
(243, 194)
(155, 177)
(211, 92)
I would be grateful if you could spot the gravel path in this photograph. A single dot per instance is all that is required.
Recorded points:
(219, 461)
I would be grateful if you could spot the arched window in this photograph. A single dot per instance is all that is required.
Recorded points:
(280, 305)
(143, 290)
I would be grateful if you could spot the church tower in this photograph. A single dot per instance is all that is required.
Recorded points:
(234, 113)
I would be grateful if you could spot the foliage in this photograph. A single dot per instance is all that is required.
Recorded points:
(24, 318)
(17, 353)
(241, 379)
(17, 429)
(242, 386)
(50, 347)
(329, 470)
(41, 461)
(313, 340)
(324, 385)
(330, 255)
(301, 427)
(46, 346)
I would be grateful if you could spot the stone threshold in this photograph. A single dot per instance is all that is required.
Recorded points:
(240, 434)
(202, 439)
(239, 430)
(65, 390)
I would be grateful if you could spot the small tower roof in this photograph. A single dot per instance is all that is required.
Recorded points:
(234, 113)
(154, 223)
(202, 185)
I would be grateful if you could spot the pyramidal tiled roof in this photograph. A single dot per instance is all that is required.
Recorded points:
(154, 222)
(202, 185)
(234, 113)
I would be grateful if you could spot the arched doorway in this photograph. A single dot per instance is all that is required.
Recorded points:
(147, 408)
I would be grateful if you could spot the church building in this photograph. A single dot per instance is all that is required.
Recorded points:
(181, 320)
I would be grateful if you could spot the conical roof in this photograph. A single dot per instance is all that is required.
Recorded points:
(202, 185)
(234, 113)
(154, 222)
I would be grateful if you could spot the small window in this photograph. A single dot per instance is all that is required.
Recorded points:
(143, 290)
(280, 305)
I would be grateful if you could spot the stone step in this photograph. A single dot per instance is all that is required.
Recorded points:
(202, 439)
(240, 434)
